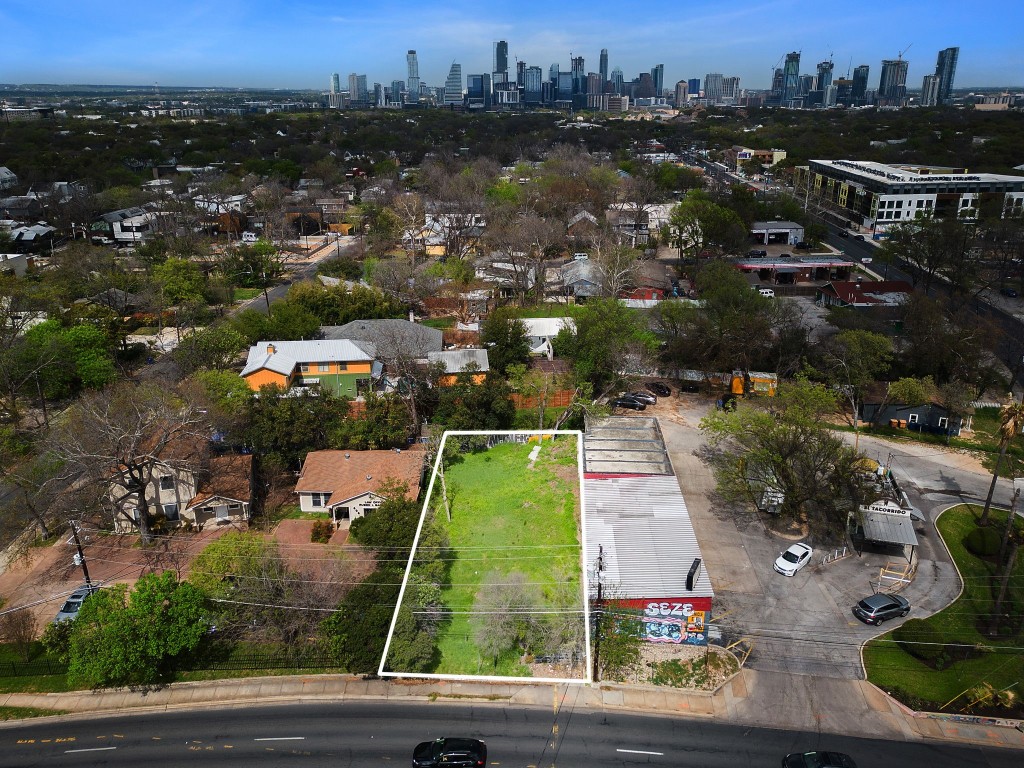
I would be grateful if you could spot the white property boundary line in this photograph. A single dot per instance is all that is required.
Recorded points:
(583, 566)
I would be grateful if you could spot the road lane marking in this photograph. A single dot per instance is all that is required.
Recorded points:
(90, 749)
(638, 752)
(282, 738)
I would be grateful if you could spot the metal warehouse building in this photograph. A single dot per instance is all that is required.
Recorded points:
(641, 545)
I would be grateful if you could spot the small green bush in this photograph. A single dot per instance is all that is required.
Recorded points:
(983, 542)
(918, 638)
(322, 530)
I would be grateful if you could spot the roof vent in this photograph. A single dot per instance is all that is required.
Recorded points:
(369, 477)
(271, 349)
(347, 456)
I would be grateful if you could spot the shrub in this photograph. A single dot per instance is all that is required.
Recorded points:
(983, 542)
(322, 530)
(917, 638)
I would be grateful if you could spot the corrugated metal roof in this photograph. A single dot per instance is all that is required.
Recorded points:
(891, 529)
(648, 542)
(456, 360)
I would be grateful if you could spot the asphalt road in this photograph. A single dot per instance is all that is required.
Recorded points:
(368, 734)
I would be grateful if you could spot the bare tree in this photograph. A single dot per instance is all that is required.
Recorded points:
(116, 440)
(504, 618)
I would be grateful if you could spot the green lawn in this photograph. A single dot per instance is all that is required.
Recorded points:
(23, 713)
(244, 294)
(996, 661)
(509, 517)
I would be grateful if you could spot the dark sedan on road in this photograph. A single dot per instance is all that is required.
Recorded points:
(878, 608)
(458, 753)
(818, 760)
(628, 402)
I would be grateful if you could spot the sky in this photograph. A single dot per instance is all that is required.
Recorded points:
(297, 44)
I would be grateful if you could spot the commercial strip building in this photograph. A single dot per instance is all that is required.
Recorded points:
(875, 195)
(643, 555)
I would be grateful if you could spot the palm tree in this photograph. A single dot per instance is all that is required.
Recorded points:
(1011, 419)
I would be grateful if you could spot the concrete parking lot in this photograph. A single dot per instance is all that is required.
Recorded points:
(801, 624)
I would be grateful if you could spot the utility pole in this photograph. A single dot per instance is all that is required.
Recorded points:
(80, 557)
(597, 614)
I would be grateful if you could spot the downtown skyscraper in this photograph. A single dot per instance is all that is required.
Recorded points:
(945, 71)
(413, 89)
(499, 70)
(790, 77)
(892, 84)
(603, 68)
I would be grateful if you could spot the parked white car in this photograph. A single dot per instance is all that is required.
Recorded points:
(768, 293)
(793, 559)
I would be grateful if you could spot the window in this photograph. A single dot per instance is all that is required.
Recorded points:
(342, 366)
(943, 422)
(170, 511)
(912, 418)
(318, 499)
(167, 483)
(323, 367)
(235, 507)
(303, 367)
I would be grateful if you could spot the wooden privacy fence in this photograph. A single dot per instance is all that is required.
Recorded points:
(558, 399)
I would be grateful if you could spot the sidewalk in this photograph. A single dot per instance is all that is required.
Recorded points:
(750, 698)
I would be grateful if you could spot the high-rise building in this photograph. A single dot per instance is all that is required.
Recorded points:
(565, 83)
(844, 91)
(682, 92)
(945, 71)
(806, 85)
(930, 91)
(594, 84)
(713, 87)
(453, 85)
(553, 73)
(521, 74)
(645, 89)
(335, 83)
(603, 68)
(778, 80)
(579, 77)
(413, 65)
(499, 70)
(478, 91)
(658, 75)
(824, 75)
(533, 85)
(693, 86)
(790, 76)
(730, 88)
(618, 82)
(892, 85)
(397, 86)
(379, 95)
(860, 84)
(357, 90)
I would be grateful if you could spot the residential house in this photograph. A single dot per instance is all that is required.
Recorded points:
(581, 279)
(460, 361)
(125, 226)
(32, 238)
(631, 223)
(342, 366)
(16, 264)
(541, 330)
(928, 417)
(21, 208)
(850, 293)
(225, 496)
(8, 178)
(390, 338)
(347, 484)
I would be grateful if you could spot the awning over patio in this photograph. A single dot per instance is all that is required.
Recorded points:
(888, 529)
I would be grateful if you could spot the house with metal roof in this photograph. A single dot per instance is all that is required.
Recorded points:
(342, 366)
(8, 178)
(461, 361)
(390, 338)
(858, 293)
(541, 330)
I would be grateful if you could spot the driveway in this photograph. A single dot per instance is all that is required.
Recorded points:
(801, 624)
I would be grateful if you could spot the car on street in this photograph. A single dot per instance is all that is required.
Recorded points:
(858, 237)
(768, 293)
(757, 254)
(1011, 292)
(643, 397)
(455, 752)
(818, 760)
(877, 608)
(69, 611)
(793, 559)
(628, 402)
(843, 233)
(661, 390)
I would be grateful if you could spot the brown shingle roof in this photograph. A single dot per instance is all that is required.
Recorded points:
(348, 474)
(230, 478)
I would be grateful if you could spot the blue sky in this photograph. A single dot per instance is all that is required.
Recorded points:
(262, 43)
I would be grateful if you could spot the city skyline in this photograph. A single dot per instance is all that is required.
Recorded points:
(187, 43)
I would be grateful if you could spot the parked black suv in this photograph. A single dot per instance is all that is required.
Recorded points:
(458, 753)
(878, 607)
(818, 760)
(661, 390)
(628, 402)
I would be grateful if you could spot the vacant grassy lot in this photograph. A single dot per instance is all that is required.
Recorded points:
(509, 515)
(997, 661)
